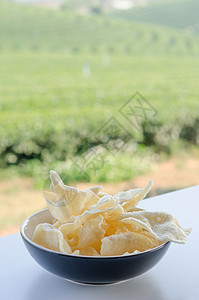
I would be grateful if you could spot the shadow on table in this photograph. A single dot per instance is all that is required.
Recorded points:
(50, 287)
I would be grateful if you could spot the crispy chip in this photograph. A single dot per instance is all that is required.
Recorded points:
(57, 224)
(70, 232)
(135, 209)
(131, 198)
(126, 242)
(49, 237)
(73, 241)
(106, 202)
(105, 206)
(135, 252)
(102, 194)
(89, 251)
(76, 252)
(59, 210)
(117, 227)
(91, 233)
(76, 200)
(114, 213)
(152, 237)
(163, 226)
(96, 189)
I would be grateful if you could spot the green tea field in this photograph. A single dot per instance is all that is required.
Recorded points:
(98, 97)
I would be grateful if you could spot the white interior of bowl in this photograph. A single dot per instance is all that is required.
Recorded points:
(41, 217)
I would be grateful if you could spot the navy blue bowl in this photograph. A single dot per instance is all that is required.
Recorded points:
(88, 269)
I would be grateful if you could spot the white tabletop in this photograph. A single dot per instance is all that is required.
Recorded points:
(176, 277)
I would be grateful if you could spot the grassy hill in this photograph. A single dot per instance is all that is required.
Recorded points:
(182, 14)
(24, 27)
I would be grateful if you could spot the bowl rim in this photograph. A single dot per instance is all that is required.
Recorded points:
(29, 241)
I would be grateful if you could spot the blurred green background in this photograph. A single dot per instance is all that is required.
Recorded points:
(74, 78)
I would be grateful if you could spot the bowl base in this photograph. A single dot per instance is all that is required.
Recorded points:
(96, 283)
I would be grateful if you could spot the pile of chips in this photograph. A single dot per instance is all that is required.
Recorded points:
(94, 223)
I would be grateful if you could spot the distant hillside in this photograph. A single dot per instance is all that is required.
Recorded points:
(182, 14)
(99, 6)
(88, 5)
(23, 27)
